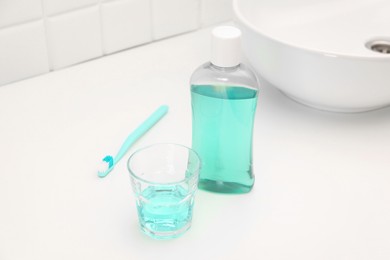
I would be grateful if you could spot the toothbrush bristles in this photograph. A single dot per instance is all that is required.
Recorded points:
(105, 164)
(110, 160)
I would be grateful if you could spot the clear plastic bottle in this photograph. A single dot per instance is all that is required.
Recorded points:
(224, 98)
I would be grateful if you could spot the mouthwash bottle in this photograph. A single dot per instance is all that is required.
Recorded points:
(224, 97)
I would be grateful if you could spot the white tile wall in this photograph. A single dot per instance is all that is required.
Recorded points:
(214, 11)
(172, 17)
(23, 52)
(59, 6)
(19, 11)
(126, 23)
(41, 35)
(74, 37)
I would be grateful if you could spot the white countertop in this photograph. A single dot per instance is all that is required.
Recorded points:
(322, 186)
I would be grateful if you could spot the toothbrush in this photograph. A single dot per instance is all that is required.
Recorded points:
(131, 139)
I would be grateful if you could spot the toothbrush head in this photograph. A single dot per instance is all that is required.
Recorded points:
(104, 170)
(110, 160)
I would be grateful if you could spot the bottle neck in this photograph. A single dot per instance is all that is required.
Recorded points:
(224, 69)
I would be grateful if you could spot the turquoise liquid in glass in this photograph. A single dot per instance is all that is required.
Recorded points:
(222, 130)
(165, 212)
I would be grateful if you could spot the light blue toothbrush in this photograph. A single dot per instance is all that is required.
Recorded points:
(132, 138)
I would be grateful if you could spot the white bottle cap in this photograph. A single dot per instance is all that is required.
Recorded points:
(225, 46)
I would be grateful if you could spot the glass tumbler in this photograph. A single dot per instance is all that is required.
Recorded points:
(164, 178)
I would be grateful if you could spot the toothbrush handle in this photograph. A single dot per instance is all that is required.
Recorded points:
(141, 130)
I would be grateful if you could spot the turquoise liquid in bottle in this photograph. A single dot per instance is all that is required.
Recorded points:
(222, 130)
(223, 97)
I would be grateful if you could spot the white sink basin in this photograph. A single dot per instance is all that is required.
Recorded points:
(319, 51)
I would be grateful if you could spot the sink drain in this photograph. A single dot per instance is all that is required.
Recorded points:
(381, 46)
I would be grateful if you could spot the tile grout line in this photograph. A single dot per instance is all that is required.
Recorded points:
(200, 23)
(44, 19)
(152, 31)
(10, 26)
(73, 10)
(104, 51)
(44, 15)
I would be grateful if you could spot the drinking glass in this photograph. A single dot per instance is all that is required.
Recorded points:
(164, 178)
